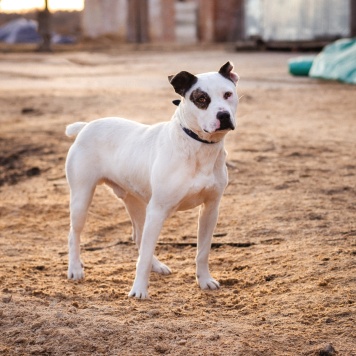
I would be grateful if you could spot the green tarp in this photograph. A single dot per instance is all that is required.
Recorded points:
(336, 61)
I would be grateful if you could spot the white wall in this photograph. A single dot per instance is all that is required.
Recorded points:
(289, 20)
(103, 17)
(110, 17)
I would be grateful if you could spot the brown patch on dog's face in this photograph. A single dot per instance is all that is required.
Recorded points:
(200, 98)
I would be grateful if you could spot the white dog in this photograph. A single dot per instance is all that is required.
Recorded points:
(157, 170)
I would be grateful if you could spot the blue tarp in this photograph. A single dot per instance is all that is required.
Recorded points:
(20, 31)
(25, 31)
(336, 61)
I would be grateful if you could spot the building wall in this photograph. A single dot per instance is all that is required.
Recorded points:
(217, 20)
(229, 20)
(161, 15)
(280, 20)
(206, 19)
(186, 26)
(105, 17)
(221, 21)
(155, 20)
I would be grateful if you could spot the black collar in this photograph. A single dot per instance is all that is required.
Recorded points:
(195, 136)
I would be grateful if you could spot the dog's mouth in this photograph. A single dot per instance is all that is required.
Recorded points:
(225, 125)
(228, 128)
(221, 128)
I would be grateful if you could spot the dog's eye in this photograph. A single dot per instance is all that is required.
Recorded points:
(202, 100)
(227, 95)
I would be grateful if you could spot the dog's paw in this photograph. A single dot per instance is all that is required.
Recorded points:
(139, 293)
(76, 271)
(159, 267)
(208, 283)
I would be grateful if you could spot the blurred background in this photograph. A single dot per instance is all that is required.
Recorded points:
(262, 24)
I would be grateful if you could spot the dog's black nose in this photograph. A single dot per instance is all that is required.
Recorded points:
(225, 120)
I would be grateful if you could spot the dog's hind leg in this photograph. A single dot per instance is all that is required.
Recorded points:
(137, 212)
(80, 199)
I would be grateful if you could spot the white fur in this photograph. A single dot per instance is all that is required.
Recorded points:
(73, 129)
(156, 170)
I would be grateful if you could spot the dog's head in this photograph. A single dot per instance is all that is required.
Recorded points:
(209, 100)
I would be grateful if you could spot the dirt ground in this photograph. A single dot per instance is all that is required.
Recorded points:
(284, 248)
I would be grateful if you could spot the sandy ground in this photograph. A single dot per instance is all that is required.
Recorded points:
(284, 248)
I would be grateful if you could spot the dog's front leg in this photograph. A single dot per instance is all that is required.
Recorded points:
(155, 218)
(208, 217)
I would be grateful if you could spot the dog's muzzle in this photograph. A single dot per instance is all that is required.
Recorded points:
(225, 121)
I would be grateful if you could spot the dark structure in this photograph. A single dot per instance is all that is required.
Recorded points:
(44, 19)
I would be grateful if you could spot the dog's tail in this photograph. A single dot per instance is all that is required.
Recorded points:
(73, 129)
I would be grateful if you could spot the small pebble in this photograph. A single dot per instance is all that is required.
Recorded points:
(7, 299)
(153, 313)
(214, 337)
(328, 350)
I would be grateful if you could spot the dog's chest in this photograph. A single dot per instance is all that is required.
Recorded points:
(202, 184)
(203, 179)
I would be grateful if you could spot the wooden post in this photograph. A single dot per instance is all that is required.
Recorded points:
(353, 18)
(229, 23)
(131, 21)
(221, 21)
(161, 20)
(44, 19)
(206, 19)
(239, 31)
(168, 24)
(137, 21)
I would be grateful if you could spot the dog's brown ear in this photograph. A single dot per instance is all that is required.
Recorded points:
(182, 82)
(226, 72)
